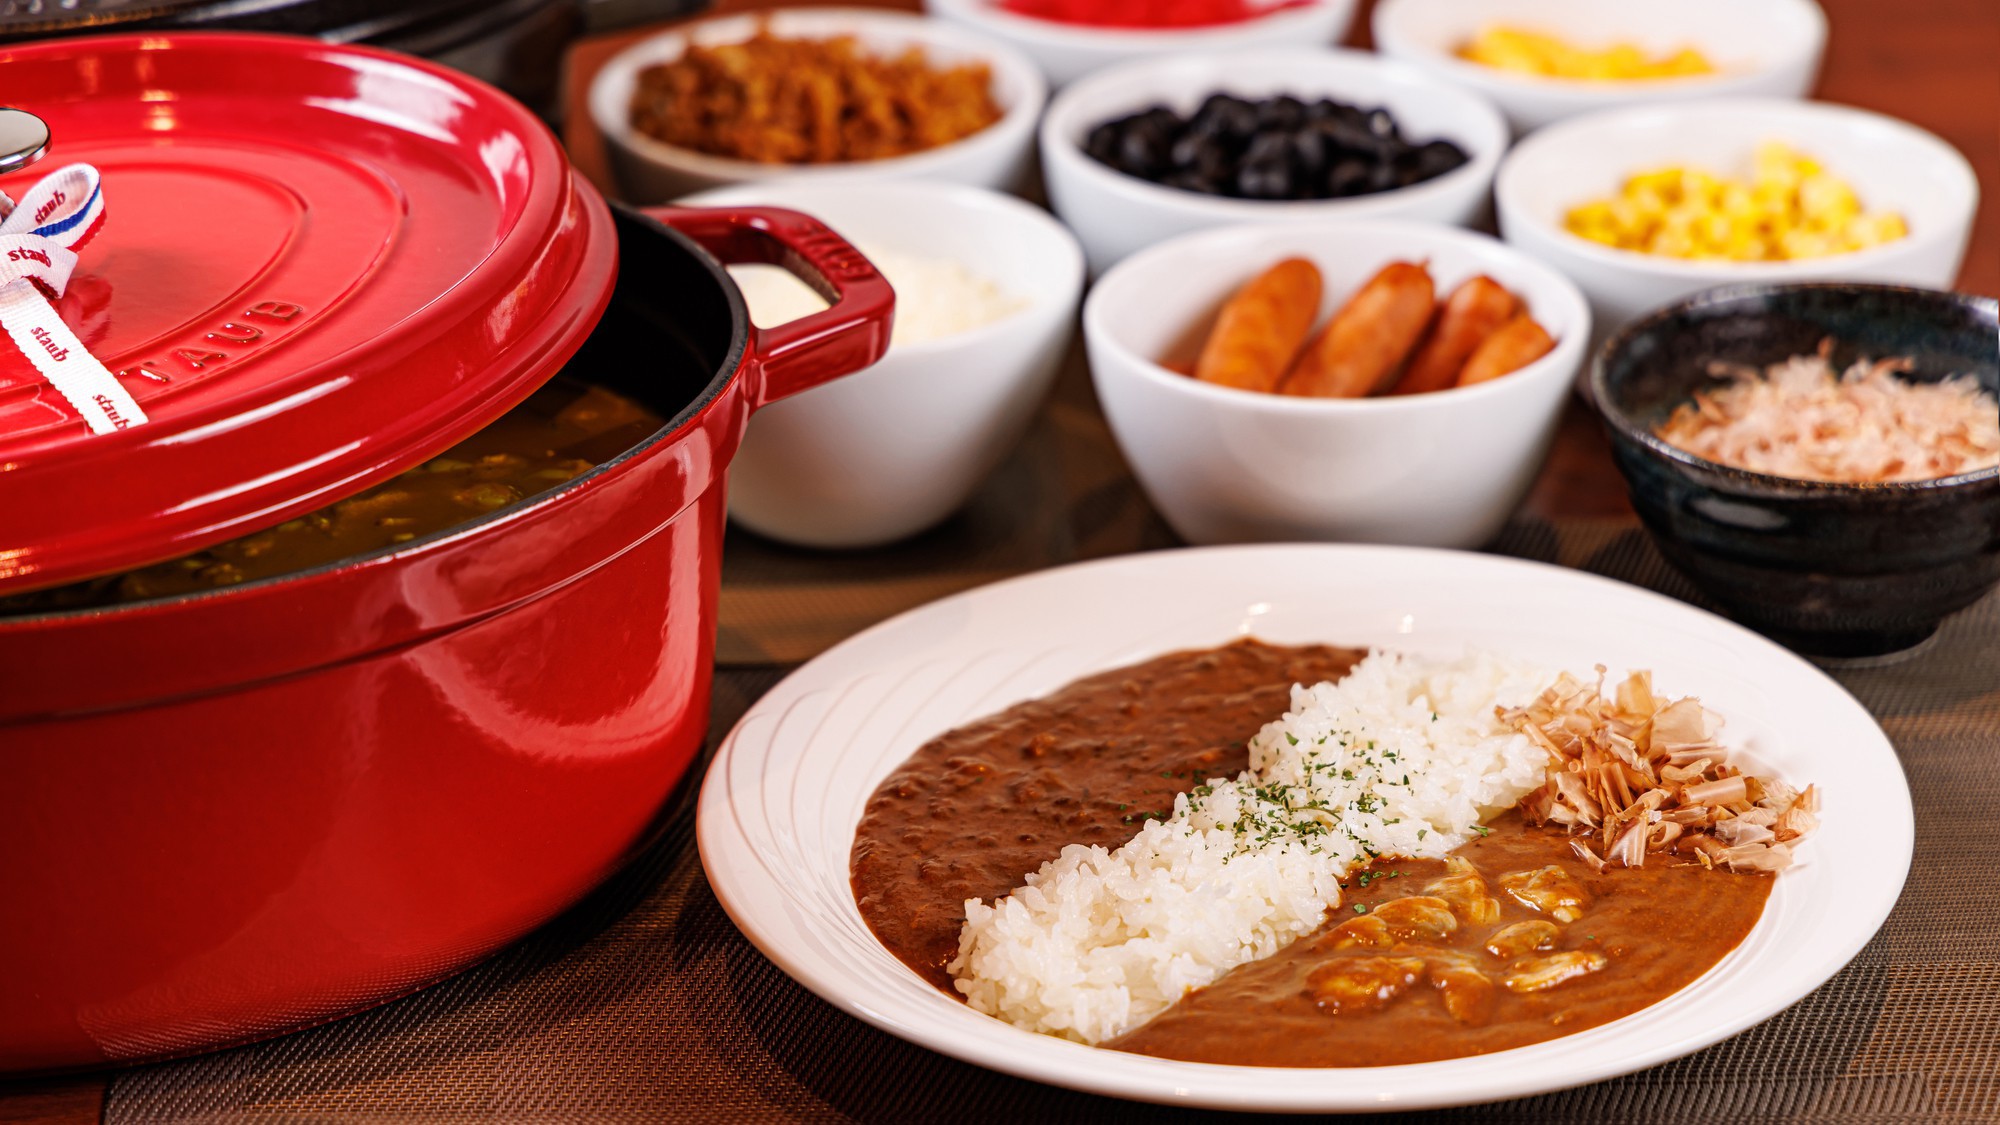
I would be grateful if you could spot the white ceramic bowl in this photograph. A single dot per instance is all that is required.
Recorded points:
(1115, 214)
(1891, 165)
(1067, 52)
(1226, 466)
(1762, 48)
(891, 450)
(998, 156)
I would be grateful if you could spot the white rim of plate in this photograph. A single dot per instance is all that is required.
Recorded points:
(831, 730)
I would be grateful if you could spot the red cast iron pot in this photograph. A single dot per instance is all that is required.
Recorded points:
(228, 815)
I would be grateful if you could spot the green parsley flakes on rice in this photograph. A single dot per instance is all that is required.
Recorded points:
(1404, 757)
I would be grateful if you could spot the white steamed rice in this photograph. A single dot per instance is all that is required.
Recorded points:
(1402, 757)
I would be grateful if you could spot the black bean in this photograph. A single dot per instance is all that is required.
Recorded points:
(1283, 112)
(1349, 134)
(1267, 147)
(1102, 142)
(1348, 176)
(1310, 149)
(1383, 125)
(1142, 151)
(1226, 115)
(1214, 165)
(1382, 177)
(1203, 127)
(1268, 179)
(1439, 157)
(1188, 149)
(1163, 119)
(1191, 181)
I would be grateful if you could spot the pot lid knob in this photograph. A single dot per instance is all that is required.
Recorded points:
(24, 139)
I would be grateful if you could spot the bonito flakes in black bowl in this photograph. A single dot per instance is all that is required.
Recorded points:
(1863, 422)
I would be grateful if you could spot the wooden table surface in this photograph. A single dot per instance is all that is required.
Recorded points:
(1930, 62)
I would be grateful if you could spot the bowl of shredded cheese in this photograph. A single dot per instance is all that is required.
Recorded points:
(1821, 460)
(1542, 61)
(986, 297)
(1643, 206)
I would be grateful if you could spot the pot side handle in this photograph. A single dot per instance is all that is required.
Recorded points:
(811, 350)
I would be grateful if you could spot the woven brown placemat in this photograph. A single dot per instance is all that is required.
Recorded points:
(644, 1003)
(1064, 495)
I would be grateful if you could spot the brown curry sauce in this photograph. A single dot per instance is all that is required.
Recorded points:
(561, 431)
(976, 808)
(1657, 928)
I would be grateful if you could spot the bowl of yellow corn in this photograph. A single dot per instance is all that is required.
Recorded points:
(1542, 61)
(1643, 206)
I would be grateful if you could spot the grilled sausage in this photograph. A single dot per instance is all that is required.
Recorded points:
(1260, 328)
(1518, 343)
(1360, 349)
(1474, 311)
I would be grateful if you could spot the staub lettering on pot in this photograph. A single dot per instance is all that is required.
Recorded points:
(234, 333)
(275, 310)
(197, 353)
(145, 369)
(199, 357)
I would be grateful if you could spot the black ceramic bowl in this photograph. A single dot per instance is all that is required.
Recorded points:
(1831, 570)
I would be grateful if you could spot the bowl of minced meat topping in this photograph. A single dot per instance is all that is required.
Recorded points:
(1821, 461)
(815, 94)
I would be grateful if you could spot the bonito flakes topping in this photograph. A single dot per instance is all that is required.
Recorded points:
(1800, 420)
(1633, 775)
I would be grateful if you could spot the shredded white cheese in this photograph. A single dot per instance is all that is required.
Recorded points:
(935, 297)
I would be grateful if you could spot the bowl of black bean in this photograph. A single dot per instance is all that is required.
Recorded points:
(1142, 152)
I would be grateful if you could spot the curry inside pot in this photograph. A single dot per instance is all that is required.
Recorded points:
(660, 349)
(562, 431)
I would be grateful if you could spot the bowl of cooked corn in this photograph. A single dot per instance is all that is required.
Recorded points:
(1643, 206)
(1541, 61)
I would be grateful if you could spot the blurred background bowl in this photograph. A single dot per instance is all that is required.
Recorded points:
(1832, 570)
(1227, 466)
(998, 157)
(1762, 48)
(899, 446)
(1891, 165)
(1067, 51)
(518, 45)
(1115, 214)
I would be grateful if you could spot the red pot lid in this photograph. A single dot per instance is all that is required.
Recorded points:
(319, 266)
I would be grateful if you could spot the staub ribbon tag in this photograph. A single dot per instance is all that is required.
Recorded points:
(39, 238)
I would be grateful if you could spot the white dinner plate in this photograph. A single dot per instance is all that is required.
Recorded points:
(781, 802)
